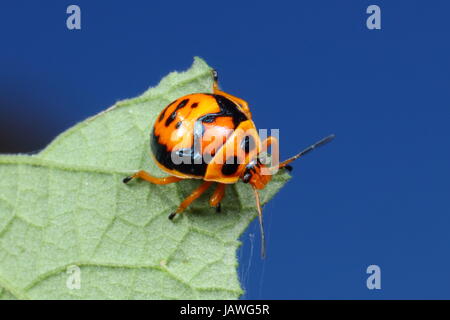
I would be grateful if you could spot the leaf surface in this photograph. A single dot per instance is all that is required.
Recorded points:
(67, 206)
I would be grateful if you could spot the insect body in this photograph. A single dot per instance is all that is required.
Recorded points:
(211, 137)
(201, 131)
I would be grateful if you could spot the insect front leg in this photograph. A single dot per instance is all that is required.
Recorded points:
(147, 177)
(189, 199)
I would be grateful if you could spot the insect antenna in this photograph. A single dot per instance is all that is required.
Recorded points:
(261, 224)
(305, 151)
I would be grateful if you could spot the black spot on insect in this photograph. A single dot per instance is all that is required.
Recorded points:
(228, 108)
(163, 113)
(182, 104)
(230, 167)
(171, 118)
(209, 118)
(194, 105)
(164, 156)
(178, 124)
(174, 113)
(161, 117)
(248, 144)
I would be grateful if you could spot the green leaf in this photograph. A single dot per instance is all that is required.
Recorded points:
(67, 206)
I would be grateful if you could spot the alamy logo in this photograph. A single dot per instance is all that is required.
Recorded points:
(374, 20)
(74, 279)
(374, 280)
(73, 21)
(223, 147)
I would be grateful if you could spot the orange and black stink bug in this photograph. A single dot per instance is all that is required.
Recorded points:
(212, 137)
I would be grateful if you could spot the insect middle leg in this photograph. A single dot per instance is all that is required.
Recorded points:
(147, 177)
(189, 199)
(217, 196)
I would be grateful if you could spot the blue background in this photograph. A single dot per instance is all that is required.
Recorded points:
(379, 194)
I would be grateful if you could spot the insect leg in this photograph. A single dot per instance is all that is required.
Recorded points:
(147, 177)
(217, 196)
(189, 199)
